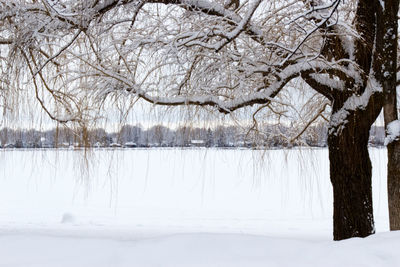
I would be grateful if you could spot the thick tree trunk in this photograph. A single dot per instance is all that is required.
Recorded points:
(393, 166)
(350, 173)
(388, 33)
(385, 72)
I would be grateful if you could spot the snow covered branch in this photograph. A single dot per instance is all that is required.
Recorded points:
(353, 104)
(184, 52)
(6, 41)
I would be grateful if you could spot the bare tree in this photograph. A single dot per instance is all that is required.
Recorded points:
(224, 58)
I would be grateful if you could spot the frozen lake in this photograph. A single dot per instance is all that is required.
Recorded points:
(184, 208)
(176, 189)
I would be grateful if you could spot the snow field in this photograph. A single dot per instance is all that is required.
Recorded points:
(180, 208)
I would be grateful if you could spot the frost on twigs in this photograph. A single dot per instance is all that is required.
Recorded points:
(392, 132)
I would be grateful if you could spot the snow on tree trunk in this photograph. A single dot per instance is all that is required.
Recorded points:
(351, 170)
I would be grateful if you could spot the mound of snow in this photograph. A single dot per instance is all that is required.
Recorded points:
(68, 218)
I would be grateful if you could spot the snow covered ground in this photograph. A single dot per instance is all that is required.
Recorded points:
(180, 208)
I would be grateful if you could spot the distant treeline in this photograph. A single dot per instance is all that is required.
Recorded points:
(269, 136)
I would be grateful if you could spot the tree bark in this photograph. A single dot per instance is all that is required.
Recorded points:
(386, 72)
(351, 171)
(393, 184)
